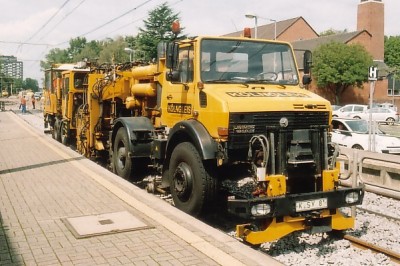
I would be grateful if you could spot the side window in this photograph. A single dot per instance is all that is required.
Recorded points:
(348, 109)
(65, 86)
(358, 108)
(185, 64)
(78, 80)
(338, 125)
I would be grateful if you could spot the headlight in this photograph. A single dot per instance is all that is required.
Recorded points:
(260, 209)
(352, 197)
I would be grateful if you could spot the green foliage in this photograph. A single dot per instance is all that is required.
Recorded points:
(392, 52)
(337, 66)
(30, 84)
(113, 52)
(76, 46)
(157, 29)
(55, 55)
(332, 32)
(90, 51)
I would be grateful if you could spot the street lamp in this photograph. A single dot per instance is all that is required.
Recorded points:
(250, 16)
(130, 51)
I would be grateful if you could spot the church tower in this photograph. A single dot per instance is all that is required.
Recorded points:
(371, 18)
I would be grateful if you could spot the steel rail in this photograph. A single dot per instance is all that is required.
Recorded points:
(394, 256)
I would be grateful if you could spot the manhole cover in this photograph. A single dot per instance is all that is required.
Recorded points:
(101, 224)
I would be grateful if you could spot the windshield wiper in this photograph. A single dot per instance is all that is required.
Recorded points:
(226, 81)
(269, 81)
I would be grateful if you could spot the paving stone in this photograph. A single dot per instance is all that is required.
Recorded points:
(43, 182)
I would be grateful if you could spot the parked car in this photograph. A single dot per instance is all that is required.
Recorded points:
(354, 133)
(335, 107)
(349, 110)
(379, 114)
(37, 95)
(387, 105)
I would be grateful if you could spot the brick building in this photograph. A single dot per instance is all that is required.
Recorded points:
(369, 33)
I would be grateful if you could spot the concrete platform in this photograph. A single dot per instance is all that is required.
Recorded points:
(43, 183)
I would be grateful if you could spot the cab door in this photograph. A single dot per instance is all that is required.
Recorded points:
(178, 94)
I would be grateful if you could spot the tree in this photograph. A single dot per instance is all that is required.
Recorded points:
(55, 55)
(75, 47)
(157, 28)
(113, 51)
(392, 51)
(332, 32)
(337, 66)
(30, 84)
(91, 51)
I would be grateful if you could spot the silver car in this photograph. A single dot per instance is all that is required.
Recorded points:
(379, 114)
(349, 110)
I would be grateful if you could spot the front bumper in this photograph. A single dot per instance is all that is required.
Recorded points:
(391, 150)
(286, 205)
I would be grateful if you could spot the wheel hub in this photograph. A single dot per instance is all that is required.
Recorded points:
(183, 180)
(121, 157)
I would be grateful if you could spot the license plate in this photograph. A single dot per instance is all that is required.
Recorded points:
(307, 205)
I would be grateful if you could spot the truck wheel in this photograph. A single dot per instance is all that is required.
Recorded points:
(56, 130)
(64, 133)
(122, 162)
(192, 187)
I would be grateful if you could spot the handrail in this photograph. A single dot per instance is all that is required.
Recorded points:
(380, 173)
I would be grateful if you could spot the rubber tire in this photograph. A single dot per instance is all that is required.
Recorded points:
(57, 130)
(357, 147)
(390, 121)
(357, 117)
(192, 187)
(64, 134)
(122, 164)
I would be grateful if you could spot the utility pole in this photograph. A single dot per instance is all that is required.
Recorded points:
(372, 77)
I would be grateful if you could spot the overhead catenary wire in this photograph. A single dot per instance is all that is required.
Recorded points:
(48, 26)
(110, 21)
(134, 21)
(47, 22)
(66, 16)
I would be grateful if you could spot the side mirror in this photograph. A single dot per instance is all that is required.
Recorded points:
(173, 76)
(307, 62)
(346, 133)
(307, 79)
(172, 55)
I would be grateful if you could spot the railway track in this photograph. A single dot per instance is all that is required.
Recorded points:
(358, 242)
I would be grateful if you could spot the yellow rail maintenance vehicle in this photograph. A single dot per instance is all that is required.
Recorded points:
(225, 121)
(65, 87)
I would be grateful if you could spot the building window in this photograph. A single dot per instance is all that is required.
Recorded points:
(393, 86)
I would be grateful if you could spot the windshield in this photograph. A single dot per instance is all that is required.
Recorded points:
(247, 61)
(360, 126)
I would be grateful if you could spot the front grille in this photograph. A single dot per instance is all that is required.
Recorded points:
(242, 126)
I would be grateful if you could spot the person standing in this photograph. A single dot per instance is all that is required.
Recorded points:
(23, 104)
(33, 102)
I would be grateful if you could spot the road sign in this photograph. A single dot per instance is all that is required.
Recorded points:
(372, 73)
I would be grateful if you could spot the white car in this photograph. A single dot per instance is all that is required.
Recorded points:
(37, 95)
(349, 110)
(353, 133)
(380, 114)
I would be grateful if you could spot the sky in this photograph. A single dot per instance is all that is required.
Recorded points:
(30, 29)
